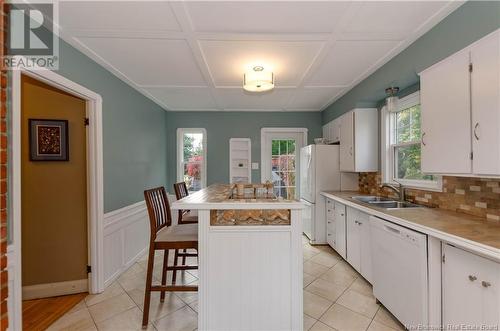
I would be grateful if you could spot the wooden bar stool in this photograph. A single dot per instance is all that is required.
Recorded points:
(185, 216)
(165, 236)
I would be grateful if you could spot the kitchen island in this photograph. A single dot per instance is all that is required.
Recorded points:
(250, 259)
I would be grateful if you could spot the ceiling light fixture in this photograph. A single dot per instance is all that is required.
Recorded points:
(258, 80)
(392, 100)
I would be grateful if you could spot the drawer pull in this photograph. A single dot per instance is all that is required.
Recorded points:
(472, 278)
(485, 284)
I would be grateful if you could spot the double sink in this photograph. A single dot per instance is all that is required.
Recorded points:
(386, 203)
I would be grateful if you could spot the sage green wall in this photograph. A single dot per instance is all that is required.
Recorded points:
(221, 126)
(468, 23)
(134, 132)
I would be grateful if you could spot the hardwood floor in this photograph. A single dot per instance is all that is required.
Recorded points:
(39, 314)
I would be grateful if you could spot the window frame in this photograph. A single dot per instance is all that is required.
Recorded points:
(180, 154)
(388, 150)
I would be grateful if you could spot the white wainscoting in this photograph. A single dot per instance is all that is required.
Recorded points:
(126, 238)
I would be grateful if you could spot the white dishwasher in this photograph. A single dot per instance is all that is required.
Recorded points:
(399, 263)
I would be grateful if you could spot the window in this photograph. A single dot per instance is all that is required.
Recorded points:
(191, 158)
(283, 167)
(402, 160)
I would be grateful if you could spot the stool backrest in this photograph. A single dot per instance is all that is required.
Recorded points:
(158, 209)
(181, 190)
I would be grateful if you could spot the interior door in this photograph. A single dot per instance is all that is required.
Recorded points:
(281, 161)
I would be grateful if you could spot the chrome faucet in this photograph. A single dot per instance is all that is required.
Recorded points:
(400, 190)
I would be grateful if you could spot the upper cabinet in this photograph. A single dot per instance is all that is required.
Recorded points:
(359, 140)
(485, 93)
(460, 102)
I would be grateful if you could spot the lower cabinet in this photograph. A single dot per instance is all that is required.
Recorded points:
(336, 226)
(358, 242)
(471, 289)
(340, 229)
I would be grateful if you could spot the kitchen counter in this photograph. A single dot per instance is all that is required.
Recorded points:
(243, 243)
(473, 233)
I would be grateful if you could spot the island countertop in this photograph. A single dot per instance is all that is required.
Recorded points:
(221, 196)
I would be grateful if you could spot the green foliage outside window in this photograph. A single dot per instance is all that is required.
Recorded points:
(408, 154)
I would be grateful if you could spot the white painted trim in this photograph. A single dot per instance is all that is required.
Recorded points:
(55, 289)
(180, 132)
(387, 149)
(265, 156)
(94, 176)
(126, 238)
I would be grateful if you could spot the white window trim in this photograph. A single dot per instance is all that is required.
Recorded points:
(387, 154)
(180, 151)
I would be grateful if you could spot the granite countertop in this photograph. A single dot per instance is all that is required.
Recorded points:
(435, 222)
(221, 196)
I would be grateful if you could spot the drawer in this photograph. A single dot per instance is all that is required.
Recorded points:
(330, 226)
(330, 209)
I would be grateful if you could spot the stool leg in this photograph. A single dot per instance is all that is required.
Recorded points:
(147, 292)
(176, 257)
(184, 258)
(164, 274)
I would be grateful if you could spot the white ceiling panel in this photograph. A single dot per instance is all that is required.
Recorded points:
(227, 60)
(347, 60)
(266, 17)
(238, 99)
(313, 98)
(191, 55)
(183, 98)
(149, 61)
(391, 18)
(112, 15)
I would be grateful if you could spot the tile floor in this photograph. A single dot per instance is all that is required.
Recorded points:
(336, 297)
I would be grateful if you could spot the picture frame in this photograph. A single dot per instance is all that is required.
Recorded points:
(48, 140)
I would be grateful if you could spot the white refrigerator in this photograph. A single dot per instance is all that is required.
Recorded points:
(320, 171)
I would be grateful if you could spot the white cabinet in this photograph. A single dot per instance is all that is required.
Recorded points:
(444, 98)
(240, 160)
(330, 223)
(340, 229)
(471, 289)
(358, 242)
(359, 140)
(485, 87)
(460, 102)
(336, 226)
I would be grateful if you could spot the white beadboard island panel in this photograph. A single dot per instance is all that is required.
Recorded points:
(250, 276)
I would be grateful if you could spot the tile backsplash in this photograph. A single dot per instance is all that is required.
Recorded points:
(473, 196)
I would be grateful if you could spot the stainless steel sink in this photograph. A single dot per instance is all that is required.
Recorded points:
(395, 204)
(372, 199)
(385, 203)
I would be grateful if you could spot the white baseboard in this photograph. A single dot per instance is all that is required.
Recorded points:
(55, 289)
(126, 238)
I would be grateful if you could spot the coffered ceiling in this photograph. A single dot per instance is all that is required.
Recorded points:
(189, 55)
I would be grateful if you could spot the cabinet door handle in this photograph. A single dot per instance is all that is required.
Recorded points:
(341, 214)
(472, 278)
(485, 284)
(329, 222)
(423, 142)
(350, 150)
(475, 131)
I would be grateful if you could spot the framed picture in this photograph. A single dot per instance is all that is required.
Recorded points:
(48, 140)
